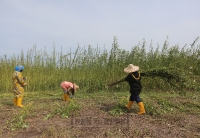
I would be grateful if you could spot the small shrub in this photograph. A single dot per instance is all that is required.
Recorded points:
(65, 110)
(119, 109)
(157, 107)
(18, 122)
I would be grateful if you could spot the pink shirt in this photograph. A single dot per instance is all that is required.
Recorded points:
(66, 84)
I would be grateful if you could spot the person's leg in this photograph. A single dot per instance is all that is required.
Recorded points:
(19, 102)
(20, 97)
(140, 104)
(63, 94)
(15, 96)
(15, 101)
(130, 103)
(67, 97)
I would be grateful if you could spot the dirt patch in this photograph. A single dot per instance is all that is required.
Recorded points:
(95, 123)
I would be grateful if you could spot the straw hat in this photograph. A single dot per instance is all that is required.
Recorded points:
(131, 68)
(75, 87)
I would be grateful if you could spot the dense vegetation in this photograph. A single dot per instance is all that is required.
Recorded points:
(166, 67)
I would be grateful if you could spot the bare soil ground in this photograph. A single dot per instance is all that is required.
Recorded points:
(94, 121)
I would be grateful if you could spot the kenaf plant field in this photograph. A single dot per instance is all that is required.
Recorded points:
(170, 79)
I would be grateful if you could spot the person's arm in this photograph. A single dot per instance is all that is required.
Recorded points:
(69, 89)
(20, 79)
(116, 82)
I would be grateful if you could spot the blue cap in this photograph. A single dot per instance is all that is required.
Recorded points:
(19, 68)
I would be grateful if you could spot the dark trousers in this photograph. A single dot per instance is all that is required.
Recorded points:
(136, 98)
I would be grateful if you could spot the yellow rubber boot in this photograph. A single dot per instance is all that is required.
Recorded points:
(67, 97)
(141, 106)
(15, 101)
(19, 102)
(128, 106)
(63, 96)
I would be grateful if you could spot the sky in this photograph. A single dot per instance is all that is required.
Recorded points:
(73, 23)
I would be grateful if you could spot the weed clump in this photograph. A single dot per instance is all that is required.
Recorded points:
(18, 122)
(119, 108)
(66, 110)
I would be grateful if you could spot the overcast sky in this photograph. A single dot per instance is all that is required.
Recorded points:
(67, 23)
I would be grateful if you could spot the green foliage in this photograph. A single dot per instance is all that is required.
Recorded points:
(18, 122)
(153, 107)
(157, 107)
(161, 108)
(176, 77)
(65, 110)
(119, 108)
(92, 68)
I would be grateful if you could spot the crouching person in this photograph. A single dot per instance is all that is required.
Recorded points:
(18, 85)
(69, 89)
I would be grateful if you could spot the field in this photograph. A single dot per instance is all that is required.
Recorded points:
(170, 80)
(100, 114)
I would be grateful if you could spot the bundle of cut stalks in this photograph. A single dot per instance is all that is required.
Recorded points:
(177, 78)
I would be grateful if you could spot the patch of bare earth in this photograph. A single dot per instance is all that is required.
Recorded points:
(92, 122)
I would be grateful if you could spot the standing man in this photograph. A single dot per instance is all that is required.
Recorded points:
(133, 78)
(18, 85)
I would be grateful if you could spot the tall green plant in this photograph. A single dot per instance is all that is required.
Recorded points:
(91, 67)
